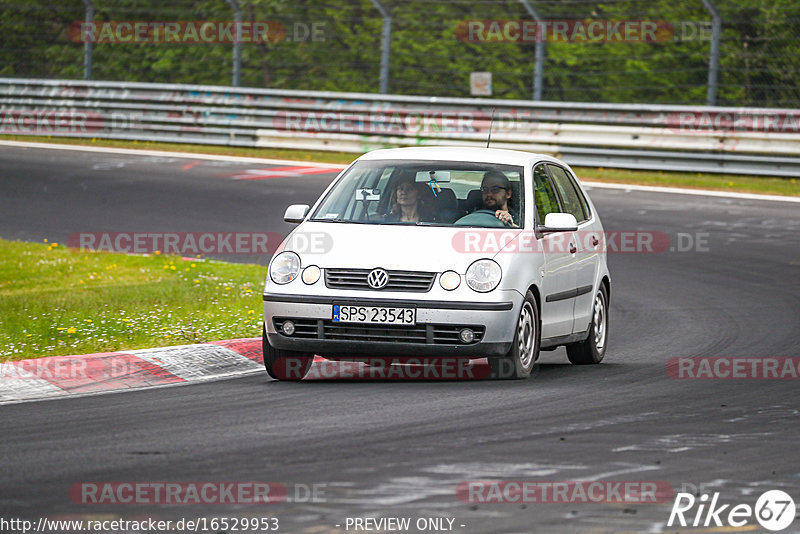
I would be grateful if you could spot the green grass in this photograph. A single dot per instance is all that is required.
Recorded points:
(58, 301)
(719, 182)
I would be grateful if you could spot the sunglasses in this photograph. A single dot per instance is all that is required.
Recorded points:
(493, 190)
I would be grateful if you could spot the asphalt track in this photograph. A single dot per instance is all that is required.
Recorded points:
(401, 448)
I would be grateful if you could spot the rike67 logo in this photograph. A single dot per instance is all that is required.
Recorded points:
(774, 510)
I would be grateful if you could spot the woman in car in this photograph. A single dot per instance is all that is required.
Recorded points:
(410, 202)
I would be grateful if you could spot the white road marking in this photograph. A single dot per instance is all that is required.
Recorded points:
(333, 166)
(697, 192)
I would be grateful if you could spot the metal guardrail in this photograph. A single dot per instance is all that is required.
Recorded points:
(682, 138)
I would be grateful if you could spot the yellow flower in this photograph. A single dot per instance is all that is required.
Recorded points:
(186, 269)
(197, 281)
(45, 240)
(172, 267)
(250, 312)
(88, 320)
(54, 245)
(82, 282)
(193, 265)
(71, 330)
(227, 288)
(157, 252)
(61, 328)
(166, 266)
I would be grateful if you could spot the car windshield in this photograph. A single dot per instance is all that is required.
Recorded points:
(425, 193)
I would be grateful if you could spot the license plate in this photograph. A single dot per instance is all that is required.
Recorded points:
(374, 315)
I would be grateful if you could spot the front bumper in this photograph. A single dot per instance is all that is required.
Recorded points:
(435, 333)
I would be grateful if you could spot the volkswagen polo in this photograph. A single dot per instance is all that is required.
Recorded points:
(440, 253)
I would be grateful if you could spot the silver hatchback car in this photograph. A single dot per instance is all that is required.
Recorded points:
(440, 252)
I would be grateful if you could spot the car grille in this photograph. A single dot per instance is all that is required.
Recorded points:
(411, 281)
(422, 334)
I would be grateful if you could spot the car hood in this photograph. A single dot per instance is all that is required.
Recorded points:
(413, 248)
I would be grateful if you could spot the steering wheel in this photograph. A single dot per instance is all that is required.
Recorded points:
(484, 218)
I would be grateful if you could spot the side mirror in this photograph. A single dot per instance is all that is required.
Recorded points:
(558, 222)
(297, 212)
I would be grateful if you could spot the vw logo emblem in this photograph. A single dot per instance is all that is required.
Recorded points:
(377, 278)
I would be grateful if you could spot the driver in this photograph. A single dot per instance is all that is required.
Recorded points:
(496, 192)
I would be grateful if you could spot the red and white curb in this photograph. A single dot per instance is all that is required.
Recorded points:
(64, 376)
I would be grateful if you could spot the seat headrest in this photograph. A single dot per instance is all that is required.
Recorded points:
(446, 199)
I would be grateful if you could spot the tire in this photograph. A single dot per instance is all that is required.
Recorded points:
(593, 348)
(285, 364)
(524, 352)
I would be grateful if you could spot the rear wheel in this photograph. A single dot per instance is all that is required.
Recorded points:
(285, 364)
(518, 363)
(593, 348)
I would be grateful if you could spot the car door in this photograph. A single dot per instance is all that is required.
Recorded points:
(558, 276)
(587, 242)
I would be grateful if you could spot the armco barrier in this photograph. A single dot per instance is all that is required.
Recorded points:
(657, 137)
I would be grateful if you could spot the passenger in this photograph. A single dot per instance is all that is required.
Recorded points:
(409, 202)
(496, 192)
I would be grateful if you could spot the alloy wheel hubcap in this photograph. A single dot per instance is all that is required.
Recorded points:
(599, 322)
(526, 334)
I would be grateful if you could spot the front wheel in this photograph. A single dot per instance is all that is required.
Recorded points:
(285, 364)
(518, 363)
(593, 348)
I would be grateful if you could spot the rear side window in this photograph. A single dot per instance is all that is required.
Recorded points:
(546, 199)
(571, 196)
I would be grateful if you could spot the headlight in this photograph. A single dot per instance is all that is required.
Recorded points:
(450, 280)
(311, 274)
(483, 275)
(284, 267)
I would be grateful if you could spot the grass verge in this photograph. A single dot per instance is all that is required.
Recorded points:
(58, 301)
(719, 182)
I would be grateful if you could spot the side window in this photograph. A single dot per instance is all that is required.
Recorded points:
(569, 194)
(546, 199)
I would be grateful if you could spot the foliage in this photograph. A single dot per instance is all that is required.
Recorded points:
(759, 51)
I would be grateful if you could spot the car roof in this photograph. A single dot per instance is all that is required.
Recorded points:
(476, 154)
